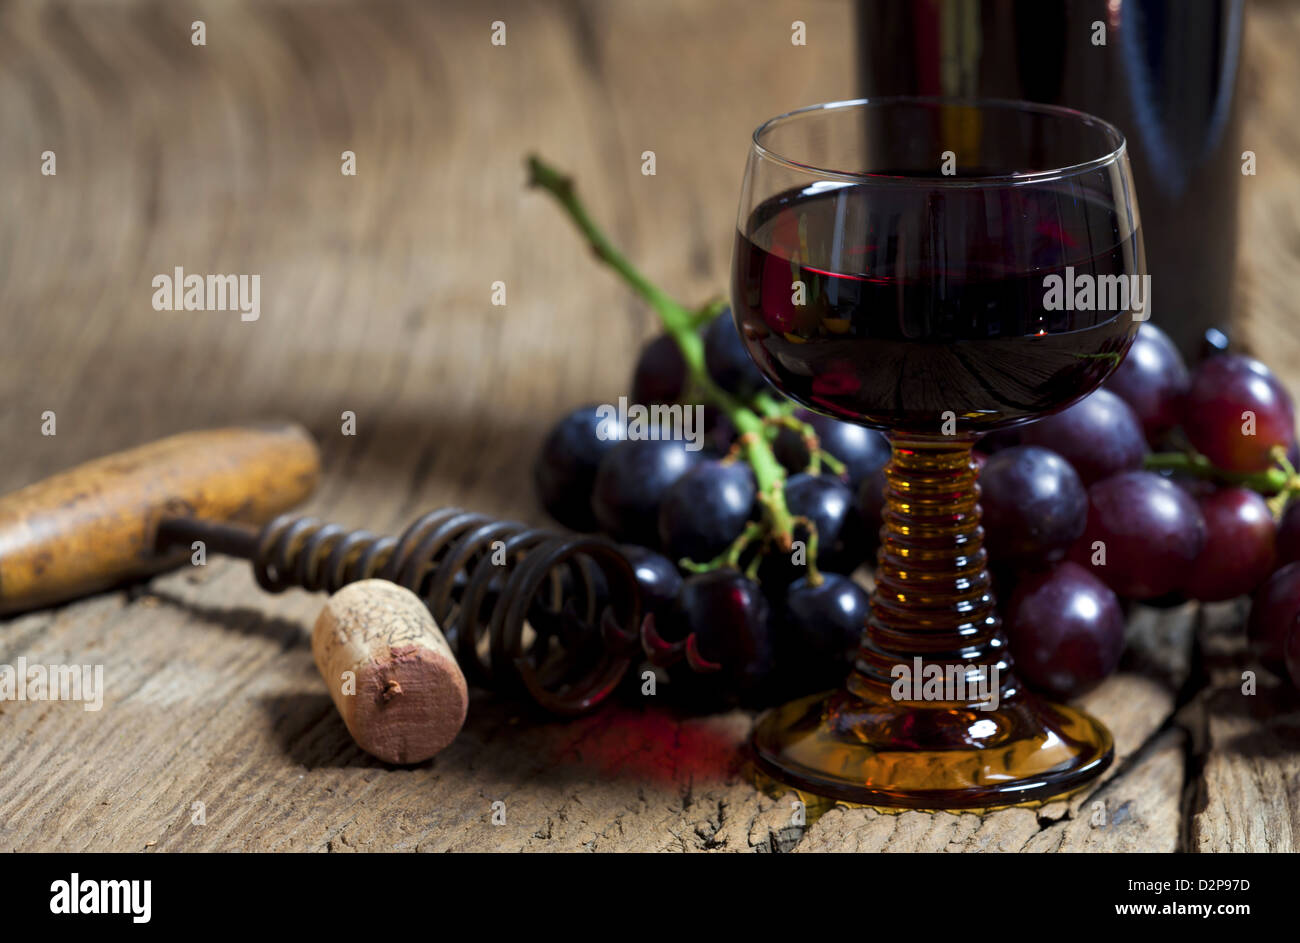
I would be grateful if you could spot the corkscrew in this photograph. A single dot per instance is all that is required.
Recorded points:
(525, 610)
(556, 617)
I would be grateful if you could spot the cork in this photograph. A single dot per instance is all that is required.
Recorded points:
(390, 671)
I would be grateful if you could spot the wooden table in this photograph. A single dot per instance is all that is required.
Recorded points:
(377, 299)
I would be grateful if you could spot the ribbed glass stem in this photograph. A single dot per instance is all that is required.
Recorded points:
(934, 597)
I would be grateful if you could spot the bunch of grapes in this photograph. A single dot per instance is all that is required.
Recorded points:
(774, 620)
(1164, 485)
(743, 542)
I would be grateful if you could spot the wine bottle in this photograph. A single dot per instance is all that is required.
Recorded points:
(1163, 71)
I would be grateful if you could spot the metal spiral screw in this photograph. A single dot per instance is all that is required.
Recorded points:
(554, 616)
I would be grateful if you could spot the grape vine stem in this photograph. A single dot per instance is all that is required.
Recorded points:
(1268, 481)
(682, 325)
(1280, 481)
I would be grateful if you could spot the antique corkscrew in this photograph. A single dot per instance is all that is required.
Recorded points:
(525, 610)
(556, 617)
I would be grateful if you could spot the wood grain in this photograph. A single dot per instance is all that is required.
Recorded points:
(1247, 795)
(376, 299)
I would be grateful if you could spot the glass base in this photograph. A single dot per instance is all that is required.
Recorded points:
(929, 742)
(862, 746)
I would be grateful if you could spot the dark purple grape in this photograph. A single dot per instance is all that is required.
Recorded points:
(1065, 629)
(1195, 486)
(731, 620)
(1100, 436)
(727, 360)
(660, 375)
(1226, 392)
(871, 507)
(1143, 531)
(565, 469)
(656, 576)
(1153, 380)
(821, 628)
(828, 503)
(790, 451)
(863, 451)
(1274, 613)
(719, 433)
(632, 481)
(995, 442)
(1288, 535)
(1034, 505)
(706, 509)
(1239, 546)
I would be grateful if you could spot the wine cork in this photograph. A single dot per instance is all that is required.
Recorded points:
(390, 671)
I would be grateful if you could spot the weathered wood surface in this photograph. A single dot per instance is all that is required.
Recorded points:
(1247, 795)
(376, 299)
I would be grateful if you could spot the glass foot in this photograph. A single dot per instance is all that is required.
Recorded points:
(865, 747)
(907, 729)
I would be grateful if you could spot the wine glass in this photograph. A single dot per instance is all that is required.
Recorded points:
(937, 270)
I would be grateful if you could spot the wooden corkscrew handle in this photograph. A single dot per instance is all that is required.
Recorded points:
(95, 526)
(555, 617)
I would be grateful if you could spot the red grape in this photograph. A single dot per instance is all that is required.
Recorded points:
(1034, 505)
(1288, 535)
(1273, 613)
(1100, 436)
(1237, 413)
(1153, 380)
(1239, 546)
(1066, 630)
(1143, 532)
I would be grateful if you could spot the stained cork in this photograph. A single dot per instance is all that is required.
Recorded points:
(390, 671)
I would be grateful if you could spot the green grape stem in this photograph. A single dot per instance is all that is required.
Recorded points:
(682, 324)
(1281, 481)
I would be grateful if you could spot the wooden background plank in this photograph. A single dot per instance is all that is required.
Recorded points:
(376, 299)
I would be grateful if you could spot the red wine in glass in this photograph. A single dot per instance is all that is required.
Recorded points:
(890, 308)
(937, 269)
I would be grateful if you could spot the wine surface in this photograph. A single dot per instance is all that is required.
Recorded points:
(901, 307)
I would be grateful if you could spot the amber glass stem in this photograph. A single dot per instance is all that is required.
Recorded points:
(934, 596)
(955, 745)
